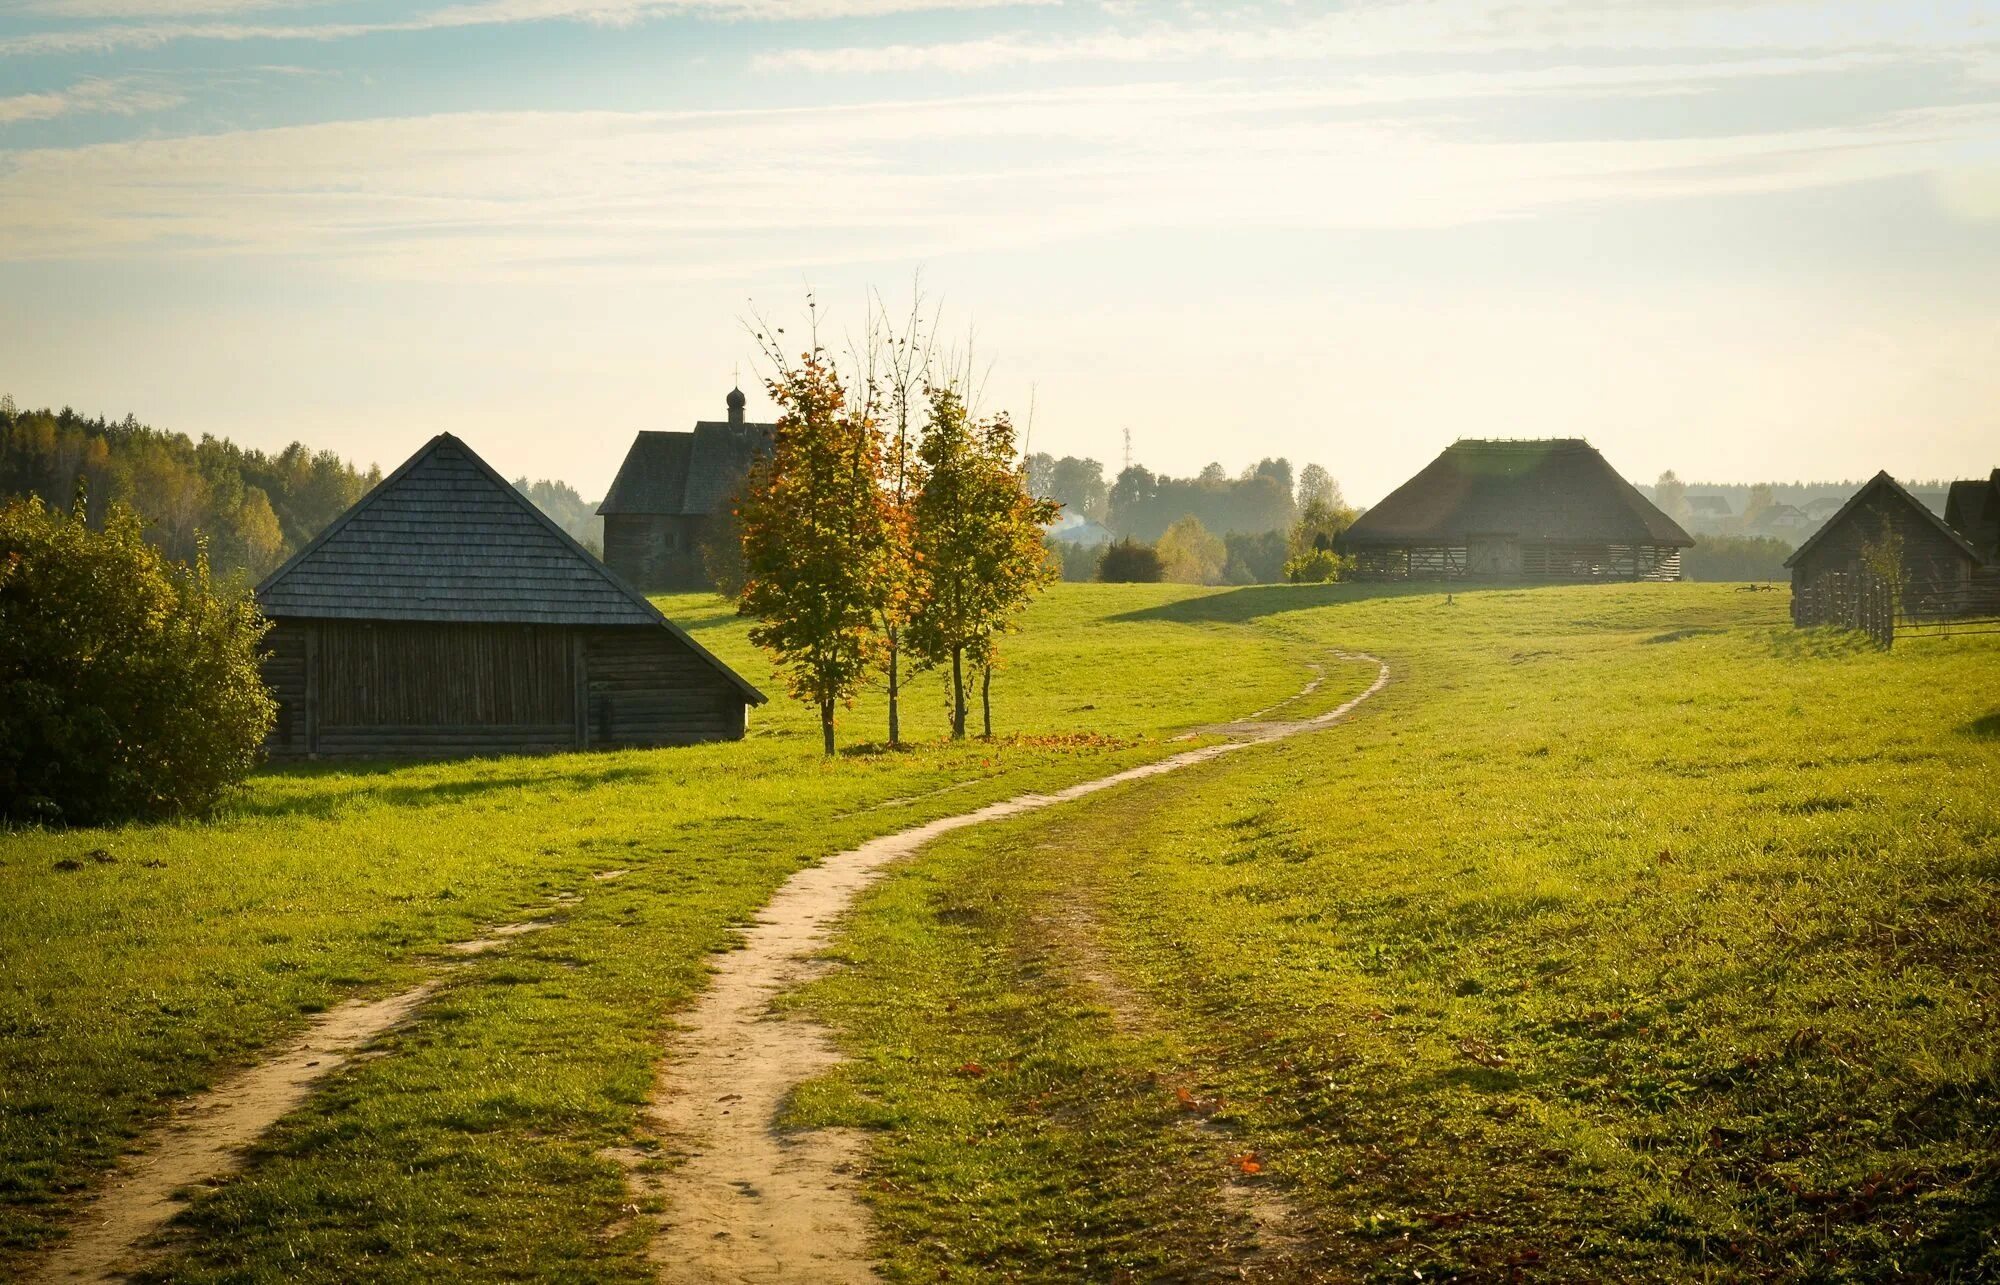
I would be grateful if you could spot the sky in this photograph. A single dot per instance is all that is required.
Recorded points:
(1742, 239)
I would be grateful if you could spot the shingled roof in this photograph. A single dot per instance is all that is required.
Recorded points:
(1882, 482)
(686, 473)
(445, 538)
(1558, 489)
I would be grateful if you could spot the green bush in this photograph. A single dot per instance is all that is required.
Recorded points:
(1736, 557)
(1129, 562)
(128, 682)
(1317, 566)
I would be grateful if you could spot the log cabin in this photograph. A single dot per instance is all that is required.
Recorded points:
(1516, 510)
(670, 494)
(444, 615)
(1937, 564)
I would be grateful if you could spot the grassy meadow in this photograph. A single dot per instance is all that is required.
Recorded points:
(1629, 935)
(142, 963)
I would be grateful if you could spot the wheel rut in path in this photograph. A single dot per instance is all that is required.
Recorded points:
(205, 1137)
(745, 1201)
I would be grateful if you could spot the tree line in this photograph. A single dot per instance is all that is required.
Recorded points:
(1141, 505)
(251, 509)
(889, 526)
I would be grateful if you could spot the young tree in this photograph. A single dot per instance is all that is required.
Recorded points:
(817, 534)
(904, 362)
(977, 538)
(1670, 493)
(1192, 554)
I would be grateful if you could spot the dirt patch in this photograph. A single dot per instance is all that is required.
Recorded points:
(204, 1139)
(749, 1201)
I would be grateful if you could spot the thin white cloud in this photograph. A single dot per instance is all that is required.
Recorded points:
(1395, 27)
(176, 20)
(96, 97)
(707, 194)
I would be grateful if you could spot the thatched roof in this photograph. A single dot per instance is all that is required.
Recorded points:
(1557, 489)
(686, 473)
(446, 539)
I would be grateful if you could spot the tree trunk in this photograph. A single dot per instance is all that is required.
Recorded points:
(895, 718)
(826, 725)
(957, 694)
(986, 699)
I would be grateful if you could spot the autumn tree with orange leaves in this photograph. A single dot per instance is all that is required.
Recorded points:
(818, 533)
(977, 537)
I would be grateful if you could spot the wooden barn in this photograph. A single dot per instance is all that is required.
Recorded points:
(446, 615)
(1938, 562)
(1516, 510)
(670, 491)
(1972, 508)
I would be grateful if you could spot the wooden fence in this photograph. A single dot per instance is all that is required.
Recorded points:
(1848, 600)
(1866, 602)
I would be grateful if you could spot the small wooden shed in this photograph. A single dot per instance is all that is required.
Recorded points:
(1550, 509)
(445, 615)
(1937, 561)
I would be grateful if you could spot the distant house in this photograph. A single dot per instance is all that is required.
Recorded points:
(1072, 528)
(1783, 520)
(1818, 510)
(1935, 558)
(1708, 507)
(446, 615)
(1516, 510)
(669, 493)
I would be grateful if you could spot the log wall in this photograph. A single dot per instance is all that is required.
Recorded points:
(396, 689)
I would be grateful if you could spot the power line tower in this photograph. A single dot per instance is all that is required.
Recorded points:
(1128, 448)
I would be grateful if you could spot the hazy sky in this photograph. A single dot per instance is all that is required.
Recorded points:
(1740, 239)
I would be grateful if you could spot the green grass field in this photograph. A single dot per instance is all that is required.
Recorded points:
(1628, 933)
(178, 952)
(1627, 936)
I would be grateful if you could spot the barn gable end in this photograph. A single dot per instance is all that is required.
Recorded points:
(444, 614)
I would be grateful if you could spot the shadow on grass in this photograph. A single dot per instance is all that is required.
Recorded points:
(1253, 602)
(1821, 643)
(372, 782)
(1986, 728)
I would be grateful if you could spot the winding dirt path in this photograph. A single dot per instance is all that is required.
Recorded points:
(205, 1137)
(748, 1201)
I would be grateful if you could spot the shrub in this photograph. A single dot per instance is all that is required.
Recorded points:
(1129, 562)
(1191, 554)
(128, 682)
(1317, 566)
(1736, 557)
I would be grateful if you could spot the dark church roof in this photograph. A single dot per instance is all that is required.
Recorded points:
(1557, 489)
(445, 538)
(1972, 509)
(688, 473)
(1859, 502)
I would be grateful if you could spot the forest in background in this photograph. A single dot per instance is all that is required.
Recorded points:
(254, 509)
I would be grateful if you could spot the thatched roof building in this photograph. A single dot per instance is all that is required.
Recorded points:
(1972, 508)
(444, 614)
(670, 492)
(1516, 510)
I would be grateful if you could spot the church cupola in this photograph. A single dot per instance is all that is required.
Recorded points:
(736, 400)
